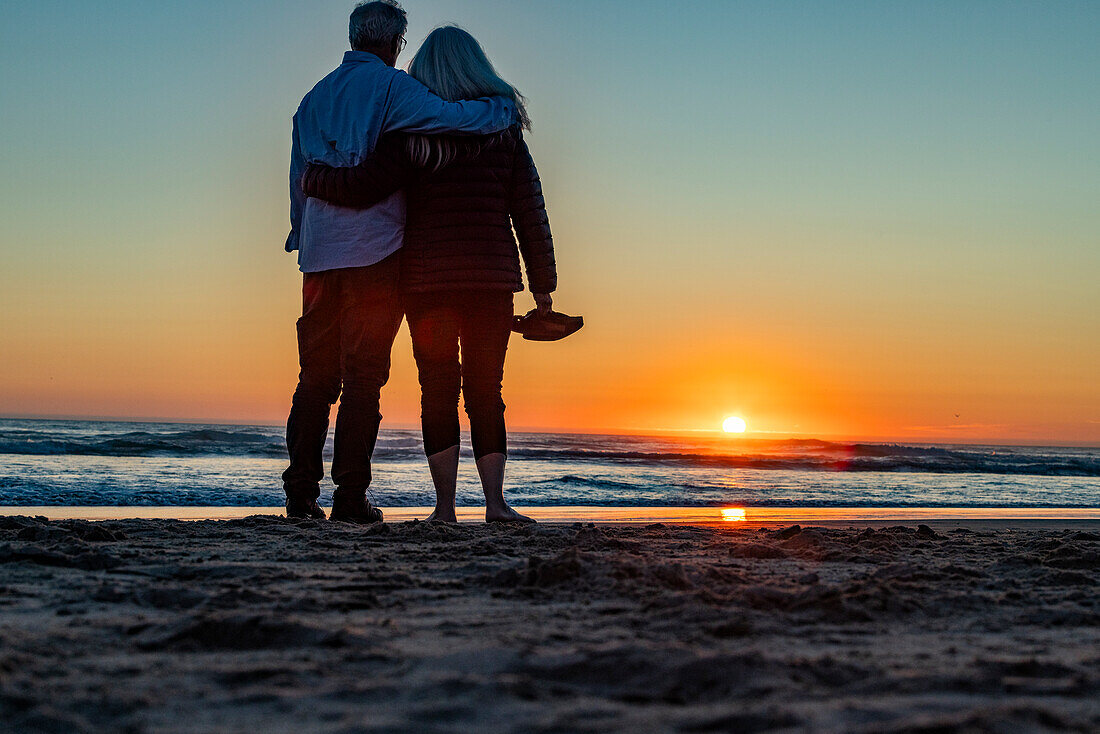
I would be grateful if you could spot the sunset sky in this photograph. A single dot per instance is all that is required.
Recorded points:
(851, 219)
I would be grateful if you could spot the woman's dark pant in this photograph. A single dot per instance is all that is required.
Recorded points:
(459, 342)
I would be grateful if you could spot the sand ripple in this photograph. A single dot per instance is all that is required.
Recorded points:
(262, 623)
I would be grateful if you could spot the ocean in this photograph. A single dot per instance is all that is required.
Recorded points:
(95, 463)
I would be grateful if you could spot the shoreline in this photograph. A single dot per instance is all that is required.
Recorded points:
(719, 516)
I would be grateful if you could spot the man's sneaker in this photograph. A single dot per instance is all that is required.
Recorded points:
(355, 509)
(300, 509)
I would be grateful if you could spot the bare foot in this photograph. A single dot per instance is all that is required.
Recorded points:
(505, 514)
(442, 515)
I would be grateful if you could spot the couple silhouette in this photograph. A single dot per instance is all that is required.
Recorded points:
(413, 195)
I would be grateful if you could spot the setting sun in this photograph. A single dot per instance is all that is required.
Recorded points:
(733, 424)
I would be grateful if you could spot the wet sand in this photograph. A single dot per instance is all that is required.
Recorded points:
(752, 516)
(264, 624)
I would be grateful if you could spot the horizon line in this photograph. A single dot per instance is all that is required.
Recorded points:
(638, 432)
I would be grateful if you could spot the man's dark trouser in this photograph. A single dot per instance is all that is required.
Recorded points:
(350, 318)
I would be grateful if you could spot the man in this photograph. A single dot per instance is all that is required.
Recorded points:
(350, 306)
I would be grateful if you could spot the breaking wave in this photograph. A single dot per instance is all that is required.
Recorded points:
(44, 438)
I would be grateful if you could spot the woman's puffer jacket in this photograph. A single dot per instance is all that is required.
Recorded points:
(458, 229)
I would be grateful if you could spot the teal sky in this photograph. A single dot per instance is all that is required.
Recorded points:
(898, 198)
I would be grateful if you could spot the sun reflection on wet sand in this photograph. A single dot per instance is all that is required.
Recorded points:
(585, 513)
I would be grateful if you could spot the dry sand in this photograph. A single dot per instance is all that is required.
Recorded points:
(264, 624)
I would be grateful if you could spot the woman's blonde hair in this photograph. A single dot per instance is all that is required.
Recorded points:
(452, 64)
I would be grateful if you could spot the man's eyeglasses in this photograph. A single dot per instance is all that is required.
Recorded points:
(401, 43)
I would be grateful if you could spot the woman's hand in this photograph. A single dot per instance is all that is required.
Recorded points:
(543, 302)
(309, 180)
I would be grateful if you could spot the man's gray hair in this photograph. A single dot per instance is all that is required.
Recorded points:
(375, 25)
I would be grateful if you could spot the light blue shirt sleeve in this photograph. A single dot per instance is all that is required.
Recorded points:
(413, 108)
(297, 198)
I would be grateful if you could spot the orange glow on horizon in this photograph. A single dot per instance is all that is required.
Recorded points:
(733, 514)
(852, 274)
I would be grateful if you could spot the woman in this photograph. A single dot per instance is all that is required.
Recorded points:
(460, 264)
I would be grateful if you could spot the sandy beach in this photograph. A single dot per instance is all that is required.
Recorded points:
(263, 624)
